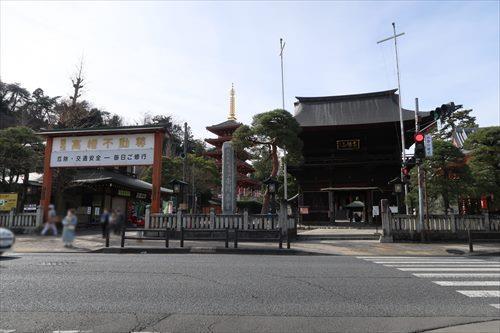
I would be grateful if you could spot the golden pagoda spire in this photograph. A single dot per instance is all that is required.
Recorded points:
(232, 104)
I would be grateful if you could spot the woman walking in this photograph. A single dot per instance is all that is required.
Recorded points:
(69, 227)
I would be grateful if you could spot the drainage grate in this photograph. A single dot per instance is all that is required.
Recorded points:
(56, 263)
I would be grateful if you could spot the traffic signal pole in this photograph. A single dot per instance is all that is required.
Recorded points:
(420, 175)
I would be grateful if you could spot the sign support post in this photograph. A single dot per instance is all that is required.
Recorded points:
(156, 190)
(47, 179)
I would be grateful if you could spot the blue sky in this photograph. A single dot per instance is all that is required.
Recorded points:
(181, 58)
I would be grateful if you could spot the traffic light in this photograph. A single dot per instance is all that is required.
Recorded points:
(444, 111)
(405, 174)
(419, 146)
(408, 164)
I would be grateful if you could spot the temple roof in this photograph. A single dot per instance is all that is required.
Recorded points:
(228, 124)
(367, 108)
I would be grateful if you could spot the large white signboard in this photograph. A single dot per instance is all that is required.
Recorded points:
(103, 150)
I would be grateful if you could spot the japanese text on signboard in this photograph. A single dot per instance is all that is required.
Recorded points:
(348, 144)
(104, 150)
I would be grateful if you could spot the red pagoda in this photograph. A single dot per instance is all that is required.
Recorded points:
(224, 132)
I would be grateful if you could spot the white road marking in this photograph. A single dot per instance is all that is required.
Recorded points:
(446, 265)
(495, 306)
(468, 283)
(456, 275)
(406, 257)
(480, 293)
(429, 262)
(450, 269)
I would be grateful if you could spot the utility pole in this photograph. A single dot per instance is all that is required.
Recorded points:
(420, 182)
(403, 153)
(184, 156)
(285, 172)
(184, 165)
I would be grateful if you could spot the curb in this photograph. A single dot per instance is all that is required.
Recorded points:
(360, 237)
(203, 250)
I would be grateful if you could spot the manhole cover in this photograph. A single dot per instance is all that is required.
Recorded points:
(56, 263)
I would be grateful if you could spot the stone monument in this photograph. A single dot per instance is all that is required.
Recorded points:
(228, 178)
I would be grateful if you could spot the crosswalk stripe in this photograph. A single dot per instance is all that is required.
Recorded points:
(480, 293)
(495, 306)
(444, 265)
(450, 269)
(456, 275)
(468, 283)
(430, 262)
(408, 257)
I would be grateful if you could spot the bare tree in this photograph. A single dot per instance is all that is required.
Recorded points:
(77, 85)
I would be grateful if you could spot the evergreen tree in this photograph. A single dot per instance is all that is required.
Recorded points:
(268, 132)
(460, 118)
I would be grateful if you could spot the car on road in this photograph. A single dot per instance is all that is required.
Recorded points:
(7, 239)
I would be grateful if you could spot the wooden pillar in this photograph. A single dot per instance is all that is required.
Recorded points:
(156, 191)
(47, 179)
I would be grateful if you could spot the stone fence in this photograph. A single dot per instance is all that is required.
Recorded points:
(438, 227)
(22, 222)
(243, 221)
(451, 223)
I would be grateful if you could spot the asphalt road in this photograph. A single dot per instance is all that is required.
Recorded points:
(246, 293)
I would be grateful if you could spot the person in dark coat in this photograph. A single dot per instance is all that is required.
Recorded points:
(105, 222)
(120, 221)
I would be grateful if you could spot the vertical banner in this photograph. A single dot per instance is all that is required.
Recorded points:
(428, 145)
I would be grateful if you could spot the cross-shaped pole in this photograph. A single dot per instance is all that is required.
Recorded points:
(403, 153)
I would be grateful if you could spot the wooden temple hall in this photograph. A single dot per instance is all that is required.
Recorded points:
(352, 152)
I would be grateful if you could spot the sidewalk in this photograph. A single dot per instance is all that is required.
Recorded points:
(93, 242)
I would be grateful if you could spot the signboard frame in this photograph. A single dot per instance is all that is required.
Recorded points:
(348, 144)
(157, 133)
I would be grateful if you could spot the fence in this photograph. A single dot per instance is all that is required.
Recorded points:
(450, 223)
(242, 221)
(25, 222)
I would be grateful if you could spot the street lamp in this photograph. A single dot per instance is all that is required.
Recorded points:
(272, 186)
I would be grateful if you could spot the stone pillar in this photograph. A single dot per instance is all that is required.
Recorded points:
(212, 218)
(228, 178)
(147, 217)
(39, 216)
(385, 214)
(486, 219)
(10, 222)
(179, 220)
(245, 219)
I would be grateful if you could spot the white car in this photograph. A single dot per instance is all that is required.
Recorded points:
(7, 239)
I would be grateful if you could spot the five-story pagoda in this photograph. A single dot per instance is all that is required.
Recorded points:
(224, 131)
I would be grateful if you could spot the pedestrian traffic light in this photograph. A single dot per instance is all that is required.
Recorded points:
(405, 174)
(419, 146)
(444, 111)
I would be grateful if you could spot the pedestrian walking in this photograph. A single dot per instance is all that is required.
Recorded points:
(51, 221)
(69, 228)
(105, 222)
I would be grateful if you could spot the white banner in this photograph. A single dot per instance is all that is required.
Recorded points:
(103, 150)
(428, 145)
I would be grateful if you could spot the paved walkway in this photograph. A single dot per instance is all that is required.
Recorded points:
(89, 242)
